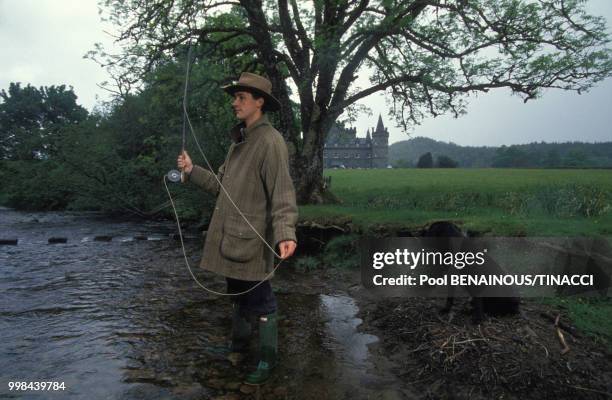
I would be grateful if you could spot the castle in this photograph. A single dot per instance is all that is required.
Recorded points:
(343, 149)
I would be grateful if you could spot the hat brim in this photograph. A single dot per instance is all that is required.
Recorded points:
(272, 103)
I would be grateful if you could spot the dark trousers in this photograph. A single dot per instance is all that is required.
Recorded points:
(259, 301)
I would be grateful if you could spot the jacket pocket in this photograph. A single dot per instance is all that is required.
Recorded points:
(239, 243)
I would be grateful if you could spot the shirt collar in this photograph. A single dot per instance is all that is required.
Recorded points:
(241, 133)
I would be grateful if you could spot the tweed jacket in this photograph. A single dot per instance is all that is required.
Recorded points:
(256, 176)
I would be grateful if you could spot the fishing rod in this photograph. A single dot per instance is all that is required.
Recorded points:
(176, 176)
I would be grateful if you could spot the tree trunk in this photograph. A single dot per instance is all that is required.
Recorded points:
(308, 178)
(307, 166)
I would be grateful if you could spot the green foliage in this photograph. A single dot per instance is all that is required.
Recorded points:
(532, 155)
(568, 200)
(402, 163)
(115, 161)
(307, 264)
(342, 252)
(36, 185)
(589, 314)
(552, 159)
(510, 157)
(425, 161)
(31, 120)
(446, 162)
(576, 158)
(565, 200)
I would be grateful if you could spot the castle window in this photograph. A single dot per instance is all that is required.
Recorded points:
(357, 155)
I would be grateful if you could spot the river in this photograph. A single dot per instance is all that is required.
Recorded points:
(123, 319)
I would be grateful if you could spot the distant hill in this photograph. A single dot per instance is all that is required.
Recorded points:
(467, 156)
(559, 155)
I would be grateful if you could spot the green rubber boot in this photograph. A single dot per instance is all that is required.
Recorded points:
(268, 344)
(241, 332)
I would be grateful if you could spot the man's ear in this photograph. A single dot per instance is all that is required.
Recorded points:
(260, 101)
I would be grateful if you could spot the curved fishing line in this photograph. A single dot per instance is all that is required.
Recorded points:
(178, 224)
(187, 122)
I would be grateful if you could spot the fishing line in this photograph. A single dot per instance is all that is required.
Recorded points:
(174, 174)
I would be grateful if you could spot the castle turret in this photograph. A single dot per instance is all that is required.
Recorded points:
(380, 145)
(380, 127)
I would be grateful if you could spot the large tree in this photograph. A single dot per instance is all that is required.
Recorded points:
(31, 119)
(426, 54)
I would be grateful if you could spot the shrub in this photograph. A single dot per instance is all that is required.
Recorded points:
(342, 252)
(307, 263)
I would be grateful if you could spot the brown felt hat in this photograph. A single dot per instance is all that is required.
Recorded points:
(250, 82)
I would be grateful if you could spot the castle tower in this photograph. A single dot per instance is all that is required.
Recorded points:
(380, 145)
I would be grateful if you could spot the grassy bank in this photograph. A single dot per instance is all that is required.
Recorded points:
(592, 315)
(499, 201)
(504, 202)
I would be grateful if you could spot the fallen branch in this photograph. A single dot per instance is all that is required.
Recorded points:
(590, 390)
(315, 225)
(565, 348)
(568, 328)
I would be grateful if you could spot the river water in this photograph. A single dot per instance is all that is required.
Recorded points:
(123, 320)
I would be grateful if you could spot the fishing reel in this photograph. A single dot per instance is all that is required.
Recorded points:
(175, 176)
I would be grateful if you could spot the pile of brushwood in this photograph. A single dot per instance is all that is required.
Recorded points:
(536, 355)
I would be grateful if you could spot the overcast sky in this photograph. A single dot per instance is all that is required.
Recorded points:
(42, 42)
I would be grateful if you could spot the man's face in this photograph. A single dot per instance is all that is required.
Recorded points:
(245, 106)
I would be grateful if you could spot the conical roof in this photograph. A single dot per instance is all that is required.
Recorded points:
(379, 126)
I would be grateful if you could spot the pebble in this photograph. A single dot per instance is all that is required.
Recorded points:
(216, 339)
(189, 392)
(247, 389)
(233, 385)
(228, 396)
(215, 383)
(235, 358)
(280, 391)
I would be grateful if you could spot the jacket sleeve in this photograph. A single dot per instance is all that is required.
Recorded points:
(280, 191)
(206, 179)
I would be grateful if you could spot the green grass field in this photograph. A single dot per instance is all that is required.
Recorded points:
(497, 201)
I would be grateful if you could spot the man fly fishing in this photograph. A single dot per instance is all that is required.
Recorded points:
(255, 179)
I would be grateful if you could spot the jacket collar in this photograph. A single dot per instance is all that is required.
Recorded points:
(240, 132)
